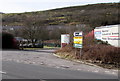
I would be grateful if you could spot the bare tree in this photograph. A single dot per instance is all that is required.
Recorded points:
(33, 31)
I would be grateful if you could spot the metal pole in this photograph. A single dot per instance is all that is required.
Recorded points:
(80, 52)
(75, 52)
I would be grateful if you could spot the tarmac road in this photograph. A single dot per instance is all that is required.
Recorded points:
(14, 70)
(42, 64)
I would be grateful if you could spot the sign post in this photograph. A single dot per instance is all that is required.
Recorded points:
(78, 41)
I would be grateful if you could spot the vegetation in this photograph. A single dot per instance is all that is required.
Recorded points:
(80, 18)
(93, 15)
(93, 52)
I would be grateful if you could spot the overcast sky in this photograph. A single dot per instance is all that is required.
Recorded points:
(18, 6)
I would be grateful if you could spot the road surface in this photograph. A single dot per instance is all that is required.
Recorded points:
(14, 70)
(42, 64)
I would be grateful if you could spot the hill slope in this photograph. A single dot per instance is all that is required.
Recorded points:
(93, 15)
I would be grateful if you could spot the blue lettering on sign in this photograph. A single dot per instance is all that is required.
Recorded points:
(98, 32)
(98, 35)
(77, 34)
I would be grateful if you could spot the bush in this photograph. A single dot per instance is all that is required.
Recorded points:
(99, 51)
(95, 52)
(102, 53)
(69, 48)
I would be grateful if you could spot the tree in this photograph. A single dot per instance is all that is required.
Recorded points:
(34, 32)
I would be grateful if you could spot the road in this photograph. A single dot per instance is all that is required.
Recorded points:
(16, 70)
(42, 64)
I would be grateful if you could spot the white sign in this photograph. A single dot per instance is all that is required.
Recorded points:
(110, 34)
(65, 38)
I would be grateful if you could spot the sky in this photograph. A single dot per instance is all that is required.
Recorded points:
(20, 6)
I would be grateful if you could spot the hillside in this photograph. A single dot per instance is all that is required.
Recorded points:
(93, 15)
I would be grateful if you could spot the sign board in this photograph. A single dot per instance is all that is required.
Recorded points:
(110, 34)
(78, 39)
(77, 34)
(65, 39)
(78, 45)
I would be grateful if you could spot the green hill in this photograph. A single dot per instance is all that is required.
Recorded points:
(92, 15)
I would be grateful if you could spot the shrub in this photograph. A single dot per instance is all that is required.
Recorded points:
(98, 51)
(102, 53)
(69, 48)
(94, 52)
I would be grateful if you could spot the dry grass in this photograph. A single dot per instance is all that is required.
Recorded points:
(100, 54)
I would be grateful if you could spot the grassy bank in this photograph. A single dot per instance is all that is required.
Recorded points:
(46, 47)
